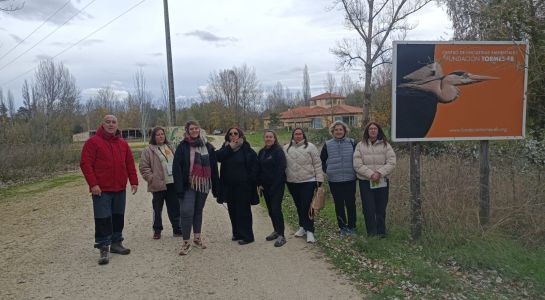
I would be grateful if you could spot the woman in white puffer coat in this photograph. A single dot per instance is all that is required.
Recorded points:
(303, 175)
(374, 160)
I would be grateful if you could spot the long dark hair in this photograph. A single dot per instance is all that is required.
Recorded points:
(380, 136)
(240, 133)
(152, 140)
(293, 133)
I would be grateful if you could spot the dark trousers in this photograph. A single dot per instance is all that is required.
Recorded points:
(273, 197)
(344, 195)
(374, 202)
(240, 211)
(192, 206)
(302, 194)
(173, 209)
(109, 213)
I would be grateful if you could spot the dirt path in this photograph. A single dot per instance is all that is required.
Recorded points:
(47, 253)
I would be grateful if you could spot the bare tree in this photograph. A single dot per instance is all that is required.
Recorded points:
(8, 6)
(3, 109)
(11, 107)
(143, 99)
(238, 89)
(331, 83)
(165, 103)
(279, 98)
(29, 99)
(375, 21)
(56, 95)
(347, 85)
(306, 86)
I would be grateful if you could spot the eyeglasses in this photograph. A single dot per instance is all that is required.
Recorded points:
(233, 133)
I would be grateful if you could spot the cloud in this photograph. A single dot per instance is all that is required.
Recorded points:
(90, 42)
(86, 43)
(91, 92)
(156, 54)
(41, 10)
(16, 38)
(141, 64)
(294, 70)
(210, 37)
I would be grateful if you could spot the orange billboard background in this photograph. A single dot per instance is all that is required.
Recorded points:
(489, 108)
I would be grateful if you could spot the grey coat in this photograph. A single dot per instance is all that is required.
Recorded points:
(337, 159)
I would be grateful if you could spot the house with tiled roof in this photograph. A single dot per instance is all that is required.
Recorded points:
(323, 110)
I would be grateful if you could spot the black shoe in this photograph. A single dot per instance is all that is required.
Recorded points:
(273, 236)
(280, 241)
(243, 242)
(104, 258)
(234, 239)
(119, 249)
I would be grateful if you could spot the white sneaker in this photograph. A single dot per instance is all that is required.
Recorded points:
(310, 237)
(301, 232)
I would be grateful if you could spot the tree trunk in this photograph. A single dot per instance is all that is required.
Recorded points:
(416, 198)
(484, 199)
(366, 96)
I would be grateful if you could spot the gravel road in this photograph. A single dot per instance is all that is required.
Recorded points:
(47, 253)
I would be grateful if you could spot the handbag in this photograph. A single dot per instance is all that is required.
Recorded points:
(318, 202)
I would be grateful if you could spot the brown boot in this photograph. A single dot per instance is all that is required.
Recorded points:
(104, 258)
(119, 249)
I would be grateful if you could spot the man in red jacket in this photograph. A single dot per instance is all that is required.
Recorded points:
(107, 163)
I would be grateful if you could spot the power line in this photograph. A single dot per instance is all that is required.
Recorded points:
(81, 40)
(23, 40)
(100, 28)
(48, 35)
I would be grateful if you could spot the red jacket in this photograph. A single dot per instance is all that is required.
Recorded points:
(107, 161)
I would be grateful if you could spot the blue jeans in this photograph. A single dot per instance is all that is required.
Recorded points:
(109, 213)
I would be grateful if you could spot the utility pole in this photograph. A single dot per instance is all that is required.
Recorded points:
(171, 98)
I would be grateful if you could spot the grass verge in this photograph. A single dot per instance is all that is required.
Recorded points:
(435, 267)
(39, 186)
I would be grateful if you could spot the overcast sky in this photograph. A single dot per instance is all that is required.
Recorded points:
(276, 37)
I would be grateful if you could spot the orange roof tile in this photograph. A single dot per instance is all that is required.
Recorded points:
(301, 112)
(306, 111)
(341, 109)
(327, 95)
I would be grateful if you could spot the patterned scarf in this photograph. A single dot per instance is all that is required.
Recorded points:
(200, 176)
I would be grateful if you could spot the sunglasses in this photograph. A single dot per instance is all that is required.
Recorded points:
(234, 133)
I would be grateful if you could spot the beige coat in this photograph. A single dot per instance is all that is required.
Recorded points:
(152, 170)
(303, 163)
(369, 158)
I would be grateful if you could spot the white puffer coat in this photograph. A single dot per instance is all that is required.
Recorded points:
(369, 158)
(303, 164)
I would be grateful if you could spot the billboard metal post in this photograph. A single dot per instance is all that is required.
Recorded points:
(416, 198)
(484, 187)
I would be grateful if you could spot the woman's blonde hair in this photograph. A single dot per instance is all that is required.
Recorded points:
(343, 124)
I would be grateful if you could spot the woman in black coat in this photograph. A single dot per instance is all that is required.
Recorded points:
(238, 173)
(195, 171)
(271, 180)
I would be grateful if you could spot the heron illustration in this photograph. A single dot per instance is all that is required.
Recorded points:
(430, 79)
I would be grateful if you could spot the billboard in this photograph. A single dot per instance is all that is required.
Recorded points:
(443, 91)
